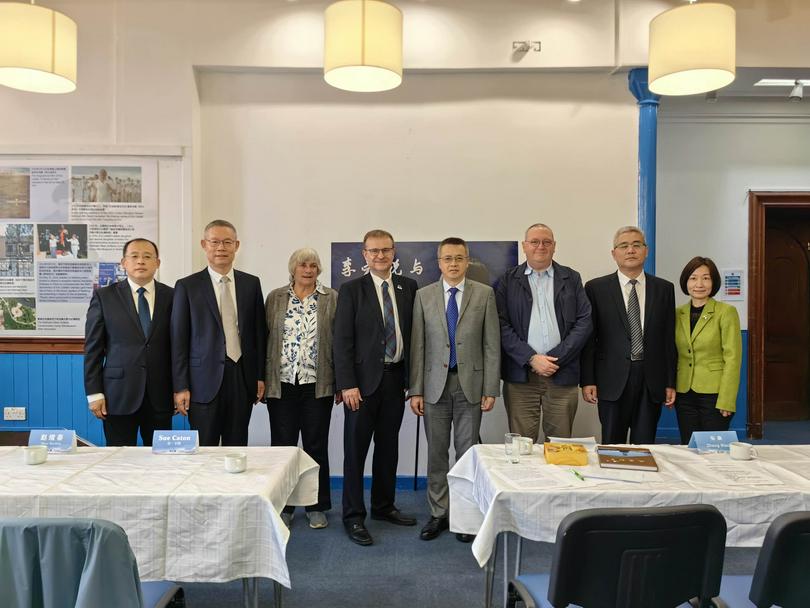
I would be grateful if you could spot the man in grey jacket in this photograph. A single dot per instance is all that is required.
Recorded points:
(455, 369)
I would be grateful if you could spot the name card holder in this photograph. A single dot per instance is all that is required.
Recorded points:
(59, 441)
(712, 441)
(175, 442)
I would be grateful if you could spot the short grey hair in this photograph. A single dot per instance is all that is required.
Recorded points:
(220, 224)
(538, 225)
(625, 230)
(301, 256)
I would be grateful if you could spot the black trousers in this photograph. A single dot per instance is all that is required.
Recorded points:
(634, 410)
(698, 412)
(379, 416)
(123, 430)
(299, 411)
(227, 416)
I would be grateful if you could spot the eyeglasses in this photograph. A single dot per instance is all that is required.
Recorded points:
(635, 245)
(215, 243)
(449, 259)
(535, 243)
(385, 252)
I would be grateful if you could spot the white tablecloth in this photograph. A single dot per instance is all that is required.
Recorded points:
(186, 518)
(489, 495)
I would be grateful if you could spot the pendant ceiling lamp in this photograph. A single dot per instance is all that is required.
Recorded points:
(692, 49)
(37, 49)
(362, 45)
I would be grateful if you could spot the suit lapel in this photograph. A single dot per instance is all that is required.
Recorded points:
(649, 295)
(399, 292)
(705, 317)
(615, 289)
(125, 293)
(466, 296)
(370, 291)
(684, 321)
(208, 293)
(438, 303)
(242, 299)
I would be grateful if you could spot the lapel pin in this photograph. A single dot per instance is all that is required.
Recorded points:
(399, 286)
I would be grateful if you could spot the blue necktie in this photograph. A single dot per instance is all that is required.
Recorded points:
(390, 324)
(143, 312)
(452, 321)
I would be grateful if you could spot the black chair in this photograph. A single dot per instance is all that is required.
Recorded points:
(782, 575)
(85, 563)
(631, 558)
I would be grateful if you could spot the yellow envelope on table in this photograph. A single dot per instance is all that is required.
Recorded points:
(570, 454)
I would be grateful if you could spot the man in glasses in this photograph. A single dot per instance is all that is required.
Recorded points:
(455, 369)
(127, 357)
(628, 365)
(219, 337)
(371, 343)
(545, 321)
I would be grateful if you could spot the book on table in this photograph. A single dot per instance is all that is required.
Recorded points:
(619, 457)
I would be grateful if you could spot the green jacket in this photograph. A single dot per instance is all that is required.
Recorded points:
(709, 358)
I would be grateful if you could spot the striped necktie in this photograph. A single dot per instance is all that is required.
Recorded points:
(390, 324)
(634, 319)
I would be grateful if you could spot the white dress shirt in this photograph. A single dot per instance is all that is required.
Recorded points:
(459, 295)
(216, 279)
(391, 292)
(641, 289)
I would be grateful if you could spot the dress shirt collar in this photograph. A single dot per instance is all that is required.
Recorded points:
(549, 270)
(624, 279)
(134, 287)
(460, 286)
(378, 281)
(318, 287)
(217, 278)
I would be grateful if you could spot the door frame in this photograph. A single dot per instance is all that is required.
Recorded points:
(758, 203)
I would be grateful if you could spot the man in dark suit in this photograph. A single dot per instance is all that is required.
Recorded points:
(219, 338)
(127, 357)
(628, 365)
(371, 343)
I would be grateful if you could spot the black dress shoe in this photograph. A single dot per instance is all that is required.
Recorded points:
(395, 517)
(358, 534)
(433, 528)
(465, 538)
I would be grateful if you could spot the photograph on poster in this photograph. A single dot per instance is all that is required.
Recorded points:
(109, 273)
(15, 192)
(62, 241)
(16, 250)
(49, 194)
(18, 313)
(106, 184)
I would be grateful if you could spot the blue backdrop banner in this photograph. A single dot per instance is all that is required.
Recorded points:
(488, 261)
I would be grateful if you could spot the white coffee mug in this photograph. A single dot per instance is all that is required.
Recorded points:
(235, 462)
(740, 450)
(526, 445)
(35, 454)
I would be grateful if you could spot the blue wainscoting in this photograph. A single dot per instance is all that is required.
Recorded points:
(51, 387)
(668, 425)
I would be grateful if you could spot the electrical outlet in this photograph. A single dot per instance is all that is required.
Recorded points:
(13, 413)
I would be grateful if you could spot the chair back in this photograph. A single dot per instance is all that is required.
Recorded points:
(638, 557)
(782, 575)
(51, 563)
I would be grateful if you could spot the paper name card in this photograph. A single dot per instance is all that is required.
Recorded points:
(57, 441)
(712, 441)
(175, 442)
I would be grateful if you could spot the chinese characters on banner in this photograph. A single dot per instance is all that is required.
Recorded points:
(417, 260)
(62, 227)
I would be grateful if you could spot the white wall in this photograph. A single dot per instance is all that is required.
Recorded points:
(709, 157)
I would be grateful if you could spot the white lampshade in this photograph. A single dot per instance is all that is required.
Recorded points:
(692, 49)
(37, 49)
(362, 45)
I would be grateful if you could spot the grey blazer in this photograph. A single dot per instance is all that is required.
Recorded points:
(276, 308)
(478, 343)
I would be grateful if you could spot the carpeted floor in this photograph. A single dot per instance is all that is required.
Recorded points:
(399, 570)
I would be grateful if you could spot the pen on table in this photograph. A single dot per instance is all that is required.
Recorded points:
(582, 477)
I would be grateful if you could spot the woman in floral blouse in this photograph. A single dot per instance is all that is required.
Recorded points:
(299, 371)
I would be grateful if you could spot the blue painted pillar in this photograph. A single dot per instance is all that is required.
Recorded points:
(647, 141)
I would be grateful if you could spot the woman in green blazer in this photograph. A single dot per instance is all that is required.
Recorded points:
(707, 334)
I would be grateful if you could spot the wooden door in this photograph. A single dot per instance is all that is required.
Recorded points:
(787, 318)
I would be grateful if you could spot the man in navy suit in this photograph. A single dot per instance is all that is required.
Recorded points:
(628, 364)
(219, 338)
(127, 358)
(371, 343)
